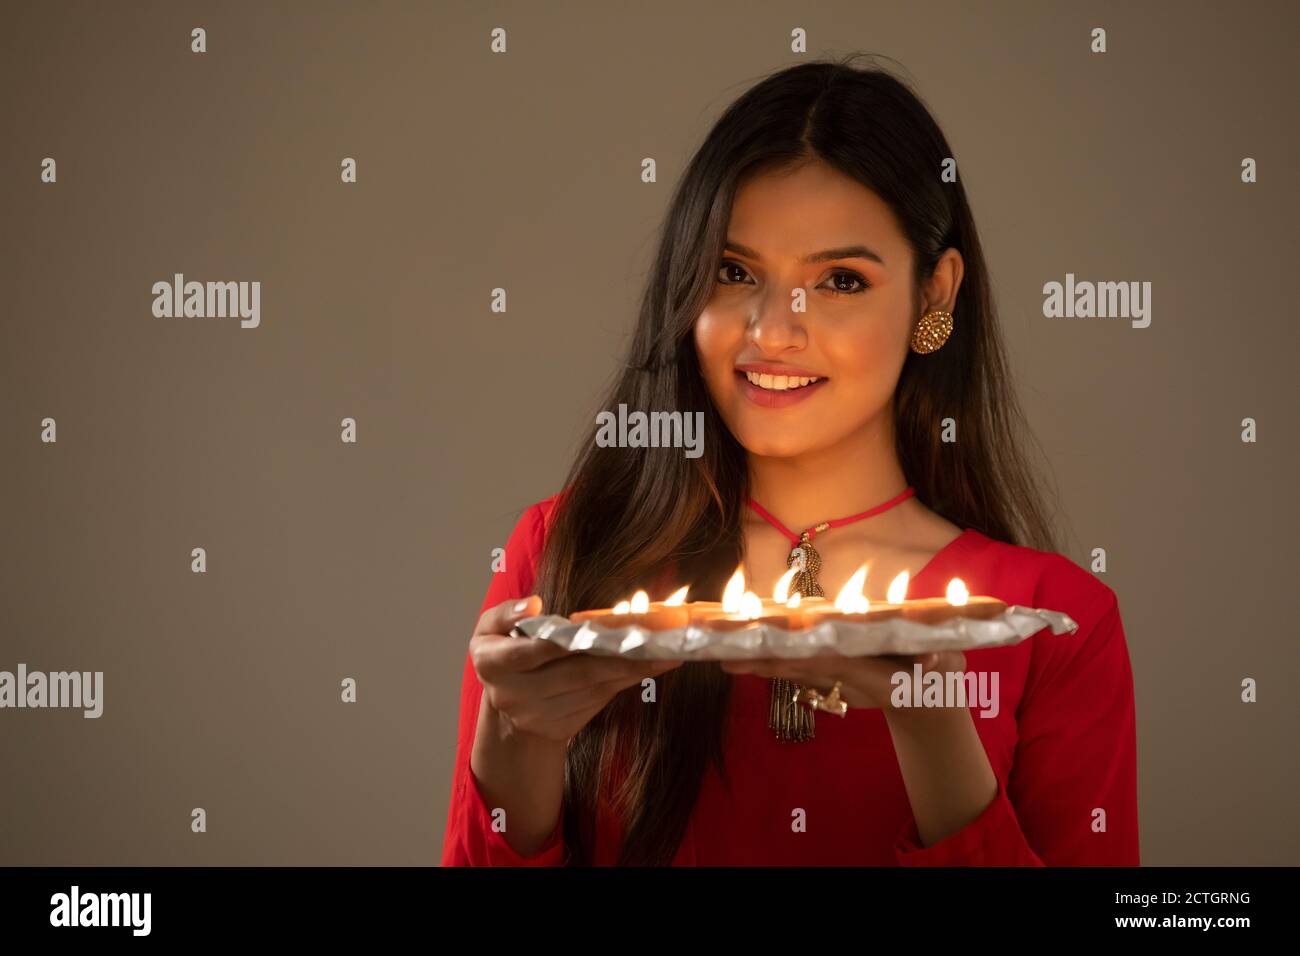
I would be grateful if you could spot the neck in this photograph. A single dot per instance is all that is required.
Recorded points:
(841, 480)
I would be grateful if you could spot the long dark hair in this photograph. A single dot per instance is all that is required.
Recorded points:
(627, 514)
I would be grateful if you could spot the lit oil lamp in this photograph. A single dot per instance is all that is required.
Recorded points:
(852, 605)
(957, 602)
(785, 610)
(739, 608)
(640, 612)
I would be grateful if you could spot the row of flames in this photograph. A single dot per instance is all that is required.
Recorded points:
(746, 604)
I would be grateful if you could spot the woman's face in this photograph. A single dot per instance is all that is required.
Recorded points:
(837, 243)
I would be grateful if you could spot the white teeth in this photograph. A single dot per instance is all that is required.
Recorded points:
(779, 383)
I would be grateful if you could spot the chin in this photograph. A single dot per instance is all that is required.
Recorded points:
(767, 445)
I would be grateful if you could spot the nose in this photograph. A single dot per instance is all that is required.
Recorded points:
(775, 326)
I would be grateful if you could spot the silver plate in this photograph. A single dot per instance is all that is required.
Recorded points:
(846, 638)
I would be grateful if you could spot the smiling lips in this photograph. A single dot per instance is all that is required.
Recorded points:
(780, 382)
(773, 386)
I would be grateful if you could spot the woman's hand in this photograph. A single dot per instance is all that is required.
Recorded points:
(540, 689)
(867, 681)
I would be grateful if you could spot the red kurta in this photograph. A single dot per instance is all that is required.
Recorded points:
(1063, 745)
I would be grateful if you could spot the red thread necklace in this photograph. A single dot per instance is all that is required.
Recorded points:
(805, 555)
(786, 718)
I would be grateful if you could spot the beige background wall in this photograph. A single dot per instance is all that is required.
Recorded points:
(522, 170)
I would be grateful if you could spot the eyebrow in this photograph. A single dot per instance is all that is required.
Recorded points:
(845, 252)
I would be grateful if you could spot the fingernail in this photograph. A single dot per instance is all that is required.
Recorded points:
(521, 606)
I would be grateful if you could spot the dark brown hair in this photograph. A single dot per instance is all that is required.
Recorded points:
(627, 514)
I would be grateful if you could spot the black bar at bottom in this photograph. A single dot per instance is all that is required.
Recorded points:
(826, 906)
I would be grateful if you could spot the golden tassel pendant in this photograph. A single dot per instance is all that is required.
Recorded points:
(787, 718)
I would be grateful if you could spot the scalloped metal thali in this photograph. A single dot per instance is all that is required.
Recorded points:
(847, 638)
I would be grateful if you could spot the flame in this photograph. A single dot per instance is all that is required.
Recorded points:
(678, 597)
(851, 600)
(957, 593)
(640, 602)
(794, 600)
(622, 607)
(782, 590)
(736, 600)
(897, 592)
(733, 592)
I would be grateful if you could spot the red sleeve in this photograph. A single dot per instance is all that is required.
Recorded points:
(1076, 755)
(470, 839)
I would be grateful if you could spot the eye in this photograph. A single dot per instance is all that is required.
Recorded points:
(730, 268)
(851, 276)
(724, 269)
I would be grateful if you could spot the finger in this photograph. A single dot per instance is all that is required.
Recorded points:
(823, 672)
(818, 671)
(600, 694)
(585, 701)
(575, 672)
(900, 660)
(939, 660)
(496, 654)
(945, 662)
(499, 619)
(570, 724)
(761, 667)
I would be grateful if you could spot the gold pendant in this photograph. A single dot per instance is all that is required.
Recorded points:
(809, 562)
(787, 718)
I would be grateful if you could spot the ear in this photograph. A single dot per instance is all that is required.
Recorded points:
(941, 288)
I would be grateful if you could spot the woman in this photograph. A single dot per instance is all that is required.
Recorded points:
(813, 255)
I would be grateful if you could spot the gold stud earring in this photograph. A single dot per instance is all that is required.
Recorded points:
(932, 331)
